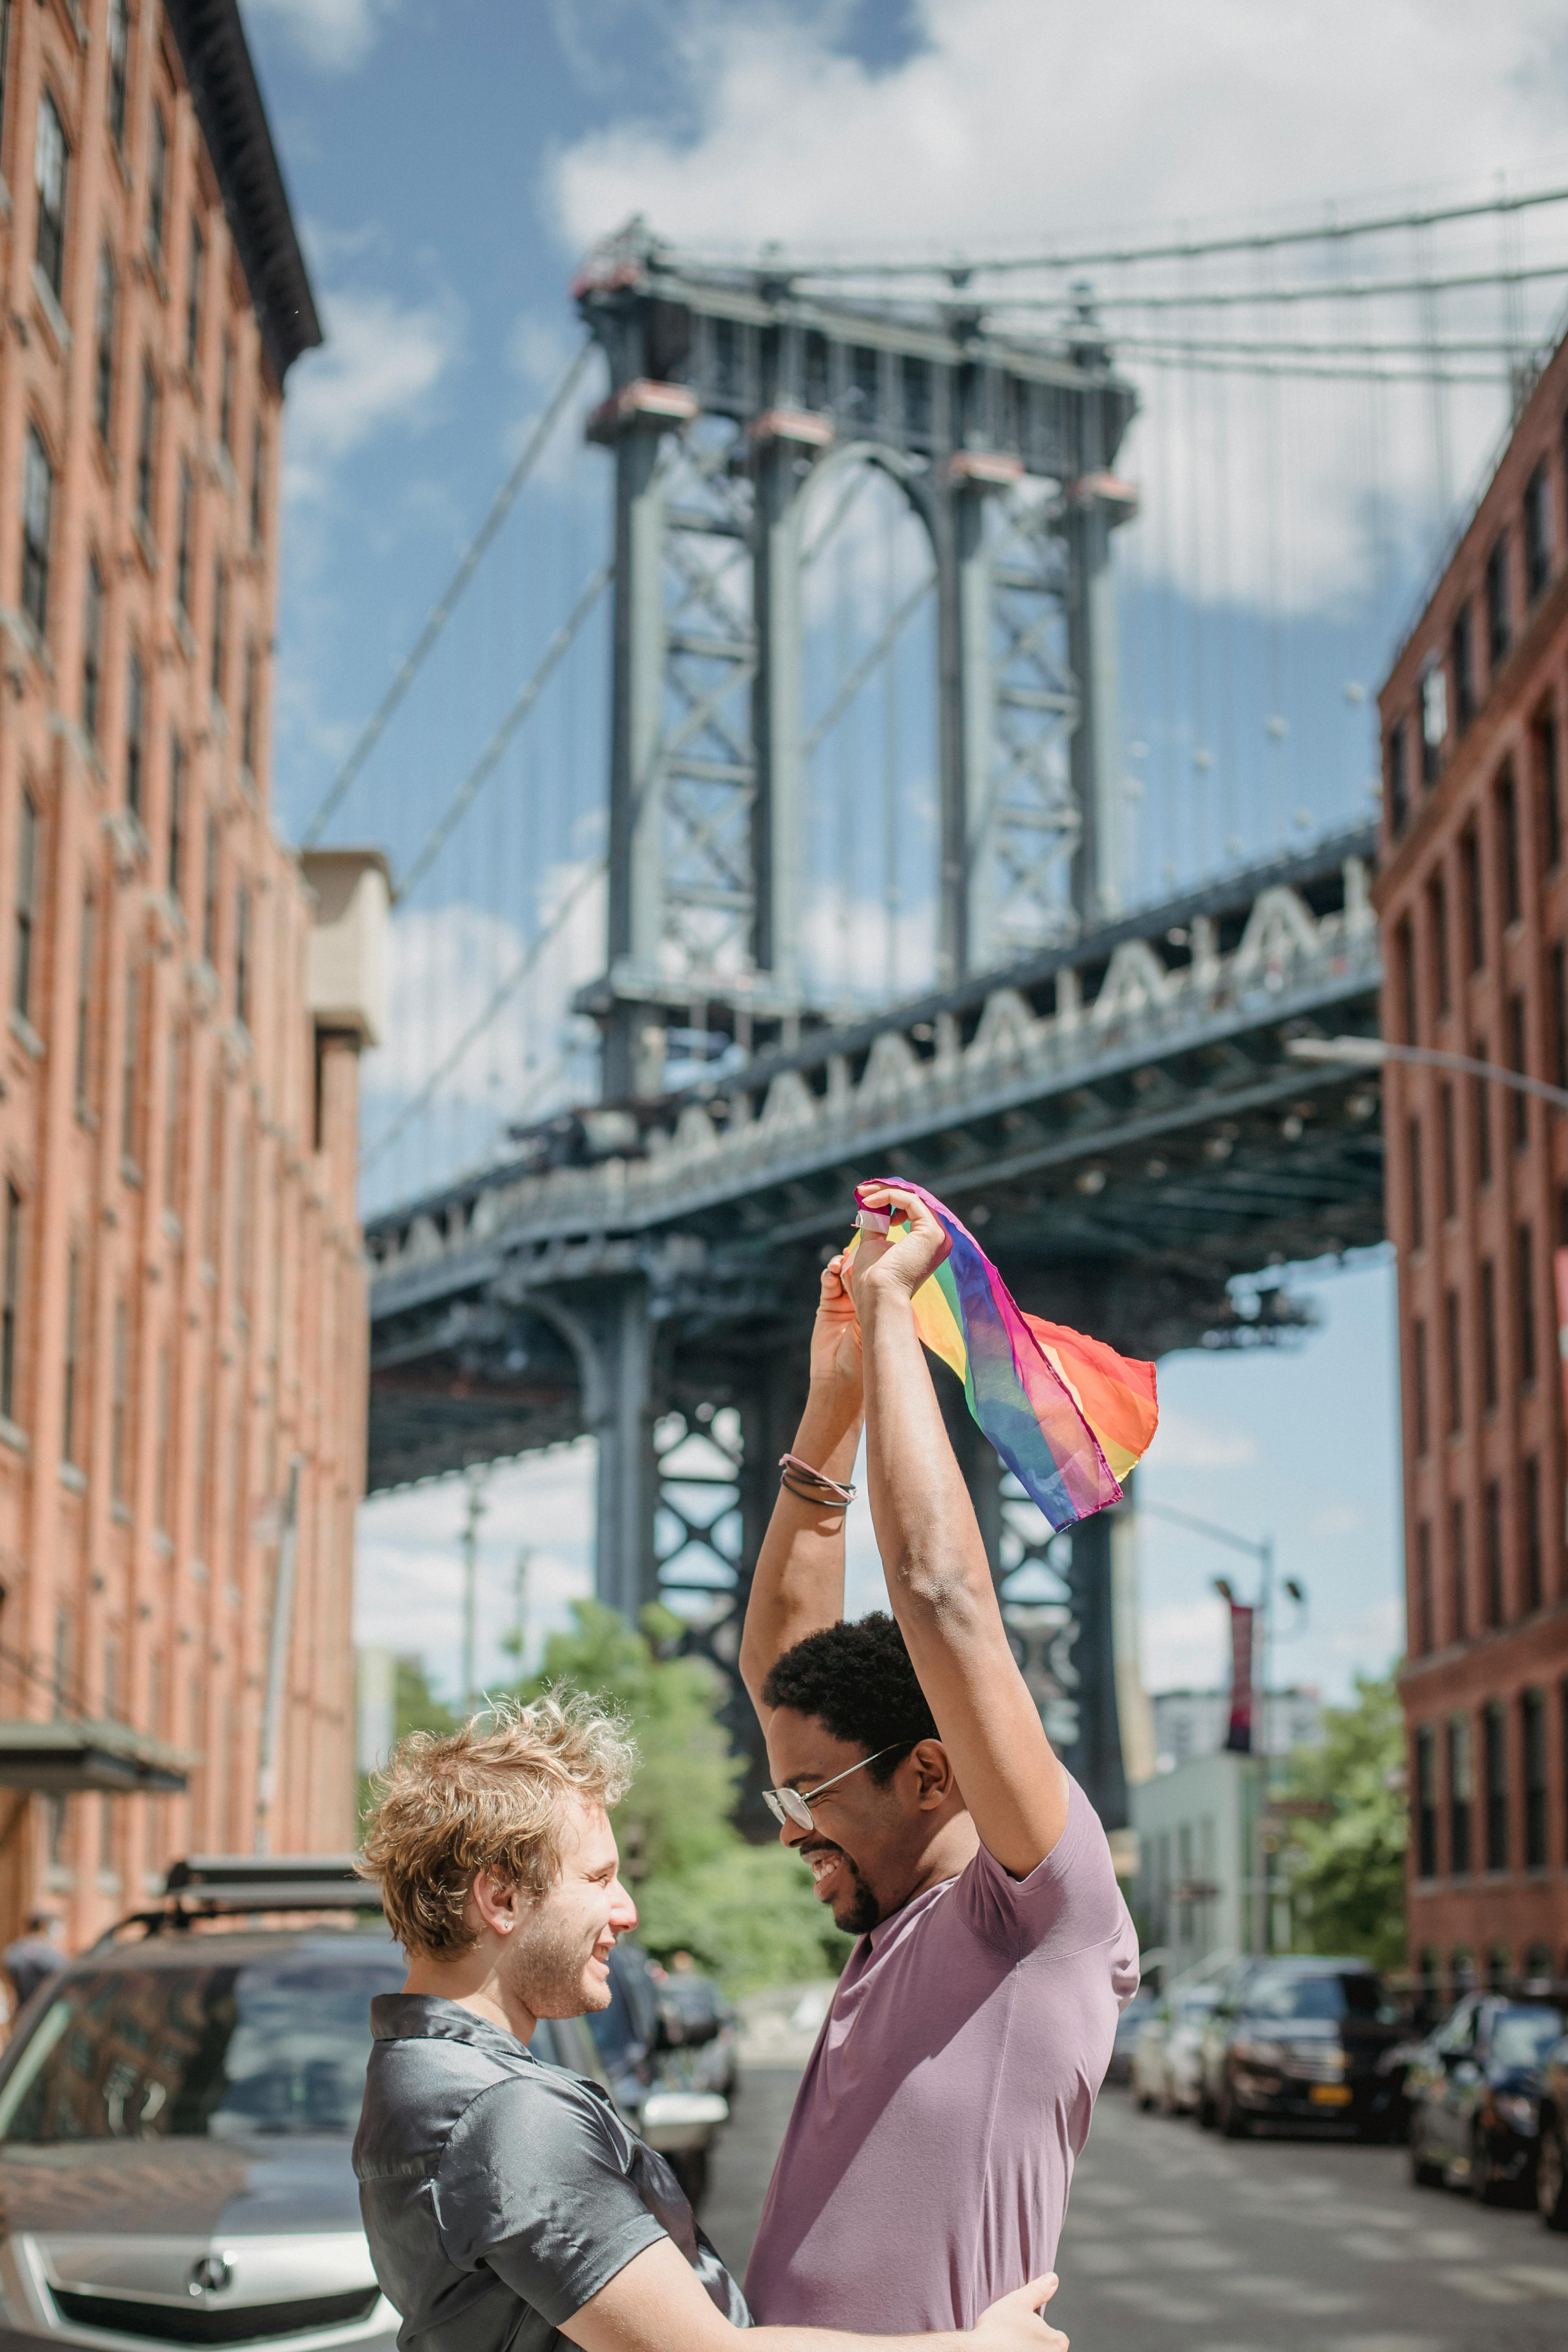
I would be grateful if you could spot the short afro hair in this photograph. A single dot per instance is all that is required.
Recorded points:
(858, 1680)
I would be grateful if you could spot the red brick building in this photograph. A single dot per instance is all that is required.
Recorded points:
(1473, 903)
(181, 1294)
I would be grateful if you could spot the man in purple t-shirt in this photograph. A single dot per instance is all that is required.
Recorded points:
(926, 2167)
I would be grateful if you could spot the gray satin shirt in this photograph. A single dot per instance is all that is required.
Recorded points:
(500, 2194)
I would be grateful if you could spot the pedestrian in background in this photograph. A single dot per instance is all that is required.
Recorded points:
(35, 1956)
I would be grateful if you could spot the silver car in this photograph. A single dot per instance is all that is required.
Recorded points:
(1167, 2070)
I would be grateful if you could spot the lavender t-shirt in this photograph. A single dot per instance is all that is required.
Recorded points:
(926, 2167)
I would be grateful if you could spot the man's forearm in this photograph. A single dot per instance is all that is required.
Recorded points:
(921, 1508)
(797, 1586)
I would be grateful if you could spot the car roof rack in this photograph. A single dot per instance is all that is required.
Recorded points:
(210, 1885)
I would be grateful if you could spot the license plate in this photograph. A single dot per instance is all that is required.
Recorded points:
(1331, 2095)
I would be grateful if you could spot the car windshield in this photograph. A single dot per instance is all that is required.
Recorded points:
(1521, 2037)
(218, 2052)
(1286, 1994)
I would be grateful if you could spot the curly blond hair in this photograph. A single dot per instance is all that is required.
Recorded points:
(490, 1796)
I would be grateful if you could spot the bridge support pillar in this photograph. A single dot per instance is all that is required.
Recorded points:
(1097, 772)
(775, 714)
(636, 799)
(956, 521)
(625, 1575)
(1094, 1759)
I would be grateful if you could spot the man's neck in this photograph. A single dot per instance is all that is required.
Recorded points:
(472, 1983)
(951, 1850)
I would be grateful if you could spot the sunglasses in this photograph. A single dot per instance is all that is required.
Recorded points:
(794, 1804)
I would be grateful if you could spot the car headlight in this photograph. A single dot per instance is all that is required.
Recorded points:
(1513, 2108)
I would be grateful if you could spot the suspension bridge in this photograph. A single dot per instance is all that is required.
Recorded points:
(925, 729)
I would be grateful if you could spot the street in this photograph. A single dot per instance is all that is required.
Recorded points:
(1178, 2241)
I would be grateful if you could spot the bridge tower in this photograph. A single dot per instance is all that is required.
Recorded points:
(738, 402)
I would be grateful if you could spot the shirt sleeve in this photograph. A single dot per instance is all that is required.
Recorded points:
(1069, 1903)
(532, 2188)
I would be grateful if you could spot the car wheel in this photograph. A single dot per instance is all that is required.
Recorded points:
(1484, 2186)
(1551, 2177)
(1423, 2173)
(1234, 2121)
(1206, 2118)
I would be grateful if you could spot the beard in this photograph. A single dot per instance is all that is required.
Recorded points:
(857, 1911)
(545, 1966)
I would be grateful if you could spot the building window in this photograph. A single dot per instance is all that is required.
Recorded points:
(1488, 1335)
(209, 895)
(91, 649)
(1491, 1543)
(161, 1513)
(1508, 845)
(1524, 1266)
(146, 445)
(70, 1432)
(220, 617)
(10, 1303)
(1461, 1794)
(1460, 1570)
(49, 180)
(1533, 1740)
(128, 1067)
(1423, 1610)
(1475, 903)
(103, 346)
(26, 887)
(247, 711)
(1545, 735)
(1405, 965)
(119, 54)
(257, 481)
(38, 502)
(1500, 603)
(242, 956)
(1425, 1803)
(1483, 1110)
(1434, 720)
(1495, 1738)
(121, 1373)
(1529, 1516)
(226, 398)
(157, 183)
(1417, 1337)
(133, 700)
(182, 547)
(1417, 1187)
(84, 999)
(1518, 1059)
(177, 811)
(1461, 656)
(1538, 531)
(193, 298)
(1438, 932)
(1451, 1151)
(1394, 777)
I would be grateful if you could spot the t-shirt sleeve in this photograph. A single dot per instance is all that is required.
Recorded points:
(1069, 1903)
(531, 2187)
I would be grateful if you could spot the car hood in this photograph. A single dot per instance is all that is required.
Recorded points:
(196, 2188)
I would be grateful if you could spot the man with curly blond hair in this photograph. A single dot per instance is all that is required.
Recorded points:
(507, 2204)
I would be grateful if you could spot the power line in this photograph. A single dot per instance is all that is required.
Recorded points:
(446, 604)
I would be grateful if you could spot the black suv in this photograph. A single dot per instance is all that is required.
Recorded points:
(1298, 2040)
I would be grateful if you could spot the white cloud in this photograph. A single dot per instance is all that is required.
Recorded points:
(334, 35)
(1022, 124)
(1184, 1646)
(380, 362)
(1186, 1441)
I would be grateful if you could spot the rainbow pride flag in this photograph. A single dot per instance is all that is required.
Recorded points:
(1068, 1415)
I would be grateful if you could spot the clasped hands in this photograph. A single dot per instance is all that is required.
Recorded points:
(887, 1267)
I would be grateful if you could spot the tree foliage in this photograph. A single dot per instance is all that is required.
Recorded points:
(1347, 1872)
(746, 1913)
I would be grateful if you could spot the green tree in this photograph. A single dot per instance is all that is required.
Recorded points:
(1347, 1863)
(744, 1912)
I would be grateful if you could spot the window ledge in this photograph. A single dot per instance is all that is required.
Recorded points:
(218, 717)
(72, 1477)
(71, 731)
(220, 466)
(87, 1117)
(60, 1880)
(198, 1571)
(184, 633)
(153, 254)
(163, 1545)
(143, 530)
(27, 1035)
(120, 1514)
(129, 1171)
(49, 311)
(18, 627)
(16, 1439)
(173, 1229)
(107, 1882)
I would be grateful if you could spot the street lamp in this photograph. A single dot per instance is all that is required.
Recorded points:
(1372, 1053)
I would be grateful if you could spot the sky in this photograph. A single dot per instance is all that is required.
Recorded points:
(451, 161)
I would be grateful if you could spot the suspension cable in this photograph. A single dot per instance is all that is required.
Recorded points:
(447, 604)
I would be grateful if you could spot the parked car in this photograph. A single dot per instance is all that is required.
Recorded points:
(1552, 2153)
(701, 2021)
(659, 2085)
(1128, 2026)
(1167, 2054)
(1475, 2096)
(1296, 2039)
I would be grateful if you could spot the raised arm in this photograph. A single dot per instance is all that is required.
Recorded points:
(798, 1586)
(939, 1579)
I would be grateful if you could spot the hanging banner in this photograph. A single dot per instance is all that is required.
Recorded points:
(1238, 1738)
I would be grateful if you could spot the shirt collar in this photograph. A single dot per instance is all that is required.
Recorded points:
(427, 2017)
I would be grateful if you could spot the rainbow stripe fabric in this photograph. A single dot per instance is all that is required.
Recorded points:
(1068, 1416)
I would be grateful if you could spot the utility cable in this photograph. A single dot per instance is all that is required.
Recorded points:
(446, 604)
